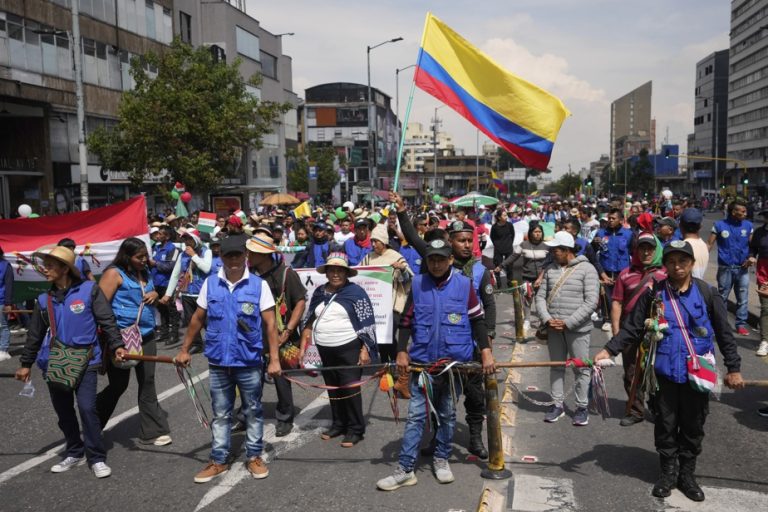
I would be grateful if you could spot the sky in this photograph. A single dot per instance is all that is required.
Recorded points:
(587, 52)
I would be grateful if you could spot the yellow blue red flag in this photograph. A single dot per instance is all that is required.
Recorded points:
(519, 116)
(498, 184)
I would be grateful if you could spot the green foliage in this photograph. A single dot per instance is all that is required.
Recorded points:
(195, 119)
(323, 158)
(568, 184)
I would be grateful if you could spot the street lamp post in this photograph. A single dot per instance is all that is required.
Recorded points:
(435, 122)
(397, 88)
(372, 154)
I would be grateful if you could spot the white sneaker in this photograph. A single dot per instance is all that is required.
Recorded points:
(443, 471)
(163, 441)
(762, 350)
(606, 327)
(595, 317)
(4, 356)
(399, 479)
(67, 464)
(101, 470)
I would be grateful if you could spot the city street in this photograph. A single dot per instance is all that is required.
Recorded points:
(555, 466)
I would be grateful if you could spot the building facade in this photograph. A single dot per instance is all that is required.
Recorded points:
(710, 122)
(457, 175)
(632, 128)
(38, 123)
(748, 95)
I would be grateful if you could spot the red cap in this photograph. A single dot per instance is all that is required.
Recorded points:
(234, 220)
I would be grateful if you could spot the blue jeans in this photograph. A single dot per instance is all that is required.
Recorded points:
(738, 279)
(5, 333)
(417, 416)
(248, 381)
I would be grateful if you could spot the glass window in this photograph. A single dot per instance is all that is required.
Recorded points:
(268, 65)
(185, 27)
(15, 27)
(274, 166)
(247, 43)
(149, 12)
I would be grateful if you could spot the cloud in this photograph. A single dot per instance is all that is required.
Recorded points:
(547, 70)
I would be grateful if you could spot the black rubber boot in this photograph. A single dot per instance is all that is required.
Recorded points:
(686, 481)
(476, 446)
(173, 327)
(665, 484)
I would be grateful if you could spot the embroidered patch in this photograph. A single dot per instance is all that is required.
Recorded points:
(724, 234)
(700, 332)
(488, 289)
(454, 318)
(743, 232)
(247, 308)
(77, 307)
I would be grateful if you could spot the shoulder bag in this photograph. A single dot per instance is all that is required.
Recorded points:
(541, 332)
(132, 338)
(66, 365)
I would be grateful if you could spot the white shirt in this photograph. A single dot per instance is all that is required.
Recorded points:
(334, 328)
(266, 300)
(340, 237)
(701, 255)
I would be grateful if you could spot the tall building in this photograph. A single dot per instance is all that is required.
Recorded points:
(710, 121)
(336, 115)
(596, 171)
(38, 123)
(748, 94)
(632, 128)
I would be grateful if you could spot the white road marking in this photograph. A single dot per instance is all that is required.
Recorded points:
(719, 499)
(53, 452)
(298, 437)
(540, 494)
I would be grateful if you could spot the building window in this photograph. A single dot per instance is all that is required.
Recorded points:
(247, 43)
(274, 167)
(185, 27)
(268, 65)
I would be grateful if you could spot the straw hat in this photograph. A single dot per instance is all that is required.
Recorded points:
(170, 218)
(260, 243)
(337, 259)
(63, 255)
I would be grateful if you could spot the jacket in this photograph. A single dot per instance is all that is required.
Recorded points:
(576, 299)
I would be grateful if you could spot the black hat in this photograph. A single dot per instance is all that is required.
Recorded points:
(438, 247)
(322, 225)
(667, 221)
(233, 244)
(458, 226)
(678, 246)
(363, 222)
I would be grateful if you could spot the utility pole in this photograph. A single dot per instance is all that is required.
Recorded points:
(81, 149)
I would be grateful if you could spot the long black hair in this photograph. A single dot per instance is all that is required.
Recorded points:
(128, 250)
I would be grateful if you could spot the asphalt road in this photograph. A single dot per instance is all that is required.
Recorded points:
(599, 467)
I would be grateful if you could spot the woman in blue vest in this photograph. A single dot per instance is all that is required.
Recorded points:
(695, 317)
(164, 256)
(444, 316)
(78, 309)
(128, 284)
(343, 327)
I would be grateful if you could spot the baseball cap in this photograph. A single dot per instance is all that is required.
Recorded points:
(678, 246)
(561, 239)
(691, 216)
(438, 247)
(460, 227)
(646, 238)
(363, 222)
(233, 244)
(667, 221)
(234, 220)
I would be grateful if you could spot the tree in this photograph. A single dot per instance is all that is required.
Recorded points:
(323, 157)
(641, 177)
(195, 119)
(568, 184)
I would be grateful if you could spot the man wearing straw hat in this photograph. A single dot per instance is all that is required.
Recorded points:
(290, 302)
(238, 311)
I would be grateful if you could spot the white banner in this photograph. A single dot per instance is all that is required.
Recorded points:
(377, 283)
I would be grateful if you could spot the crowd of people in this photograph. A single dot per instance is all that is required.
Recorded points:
(237, 292)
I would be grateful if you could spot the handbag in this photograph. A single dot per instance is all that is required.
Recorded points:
(541, 332)
(702, 371)
(66, 365)
(132, 339)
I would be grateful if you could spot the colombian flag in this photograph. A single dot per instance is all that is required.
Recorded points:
(497, 183)
(519, 116)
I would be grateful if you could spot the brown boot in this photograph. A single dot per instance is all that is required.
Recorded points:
(402, 386)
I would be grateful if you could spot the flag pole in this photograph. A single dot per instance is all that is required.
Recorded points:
(402, 133)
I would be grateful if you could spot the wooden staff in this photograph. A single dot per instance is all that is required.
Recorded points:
(27, 311)
(149, 359)
(756, 383)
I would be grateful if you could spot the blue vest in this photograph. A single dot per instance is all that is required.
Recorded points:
(126, 302)
(75, 323)
(441, 326)
(4, 267)
(582, 245)
(413, 258)
(215, 264)
(226, 342)
(162, 253)
(478, 269)
(615, 253)
(197, 275)
(81, 266)
(732, 241)
(671, 353)
(355, 253)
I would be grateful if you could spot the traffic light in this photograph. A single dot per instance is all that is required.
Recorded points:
(589, 180)
(745, 180)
